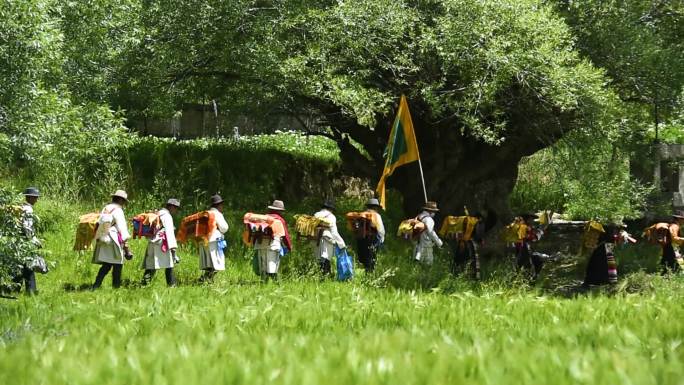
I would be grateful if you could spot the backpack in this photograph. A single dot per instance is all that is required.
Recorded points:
(197, 227)
(104, 224)
(257, 227)
(146, 225)
(410, 229)
(658, 233)
(310, 227)
(459, 228)
(85, 231)
(361, 224)
(515, 232)
(592, 231)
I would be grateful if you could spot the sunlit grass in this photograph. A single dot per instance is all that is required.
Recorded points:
(302, 330)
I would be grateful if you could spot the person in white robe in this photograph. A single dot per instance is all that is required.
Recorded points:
(211, 255)
(161, 248)
(423, 251)
(111, 239)
(270, 249)
(329, 239)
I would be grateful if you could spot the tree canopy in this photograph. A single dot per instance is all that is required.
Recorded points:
(487, 82)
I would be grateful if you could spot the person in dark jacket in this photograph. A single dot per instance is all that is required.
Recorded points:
(466, 247)
(671, 254)
(602, 266)
(526, 259)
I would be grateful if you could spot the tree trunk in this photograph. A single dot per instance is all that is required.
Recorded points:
(460, 170)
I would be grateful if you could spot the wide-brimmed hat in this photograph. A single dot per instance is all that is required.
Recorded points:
(173, 202)
(678, 214)
(373, 202)
(330, 204)
(529, 216)
(277, 205)
(431, 206)
(31, 192)
(120, 194)
(215, 200)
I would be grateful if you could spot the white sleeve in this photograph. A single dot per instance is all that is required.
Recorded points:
(337, 238)
(381, 228)
(121, 225)
(430, 228)
(167, 222)
(221, 223)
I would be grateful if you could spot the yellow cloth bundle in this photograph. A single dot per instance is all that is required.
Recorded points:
(461, 228)
(85, 231)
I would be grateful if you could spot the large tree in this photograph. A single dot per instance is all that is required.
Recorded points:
(487, 82)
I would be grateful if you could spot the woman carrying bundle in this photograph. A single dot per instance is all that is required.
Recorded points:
(602, 266)
(161, 248)
(211, 255)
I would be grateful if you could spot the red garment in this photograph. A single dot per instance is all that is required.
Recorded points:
(288, 240)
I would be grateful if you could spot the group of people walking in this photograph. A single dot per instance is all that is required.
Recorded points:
(112, 236)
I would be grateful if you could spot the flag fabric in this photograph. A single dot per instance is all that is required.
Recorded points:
(402, 147)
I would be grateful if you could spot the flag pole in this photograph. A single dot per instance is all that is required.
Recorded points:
(422, 178)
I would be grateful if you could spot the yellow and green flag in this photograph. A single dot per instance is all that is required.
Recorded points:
(402, 147)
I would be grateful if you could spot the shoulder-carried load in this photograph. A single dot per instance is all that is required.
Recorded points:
(411, 229)
(308, 226)
(658, 234)
(459, 228)
(362, 224)
(85, 231)
(515, 232)
(260, 226)
(197, 227)
(146, 225)
(591, 234)
(104, 224)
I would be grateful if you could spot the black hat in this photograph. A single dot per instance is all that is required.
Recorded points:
(329, 204)
(215, 200)
(31, 192)
(528, 216)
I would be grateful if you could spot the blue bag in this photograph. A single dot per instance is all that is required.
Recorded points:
(345, 265)
(221, 245)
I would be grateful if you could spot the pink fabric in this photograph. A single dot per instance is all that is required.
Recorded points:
(288, 240)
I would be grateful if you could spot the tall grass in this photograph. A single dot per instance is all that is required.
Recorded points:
(405, 324)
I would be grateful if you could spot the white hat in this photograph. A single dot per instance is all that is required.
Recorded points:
(277, 205)
(121, 194)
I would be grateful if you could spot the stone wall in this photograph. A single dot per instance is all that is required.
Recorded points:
(199, 121)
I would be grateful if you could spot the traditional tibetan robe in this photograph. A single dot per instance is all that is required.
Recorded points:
(270, 250)
(602, 267)
(158, 253)
(368, 246)
(112, 250)
(211, 254)
(428, 239)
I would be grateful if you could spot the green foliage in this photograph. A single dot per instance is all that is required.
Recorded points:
(641, 46)
(583, 178)
(48, 135)
(248, 172)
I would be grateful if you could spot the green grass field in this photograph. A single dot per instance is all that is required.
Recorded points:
(410, 325)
